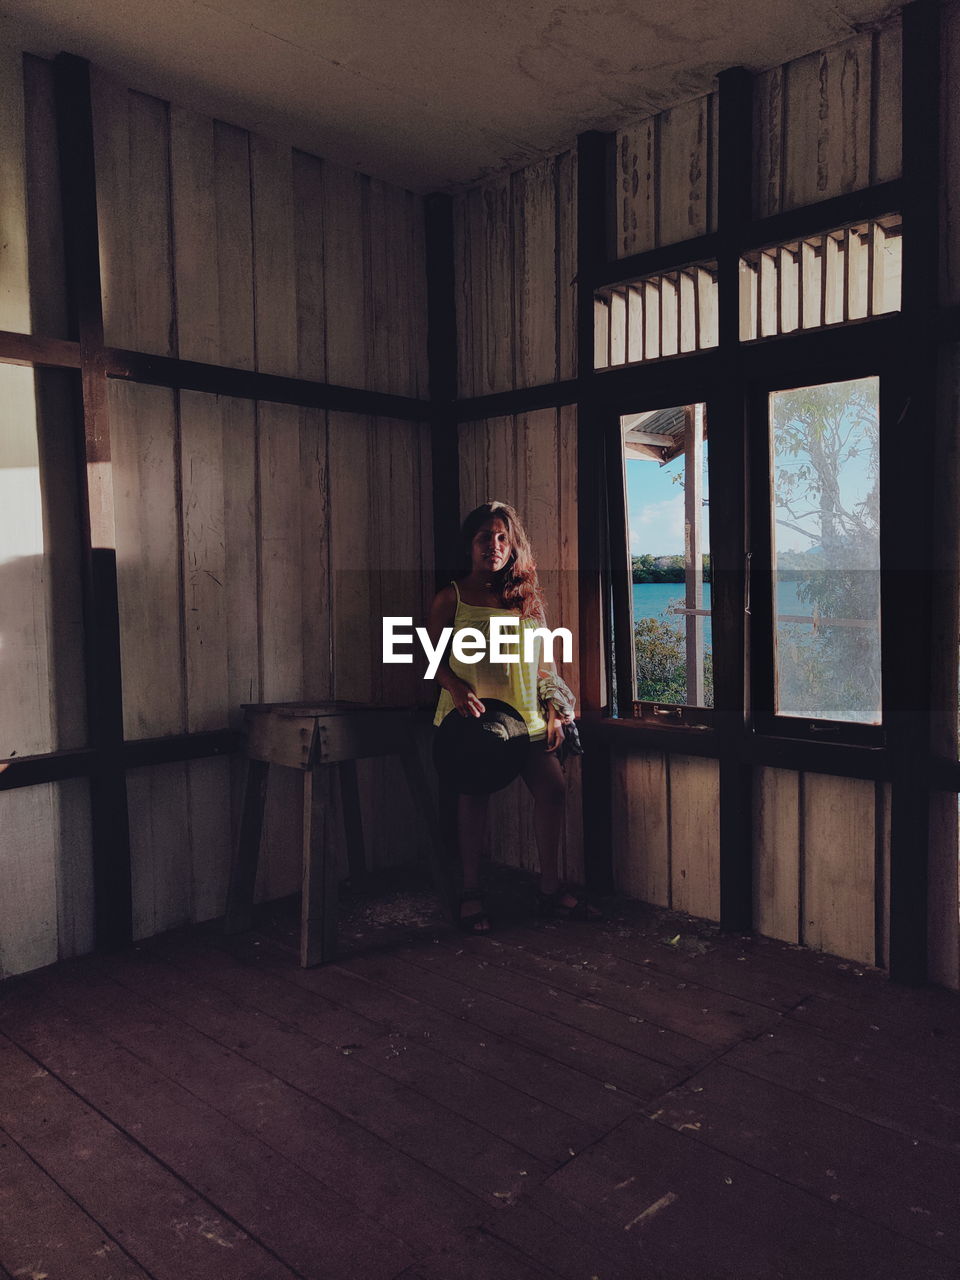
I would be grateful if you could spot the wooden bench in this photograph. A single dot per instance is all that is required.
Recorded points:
(308, 737)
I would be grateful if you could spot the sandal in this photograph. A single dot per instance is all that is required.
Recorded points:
(550, 906)
(478, 922)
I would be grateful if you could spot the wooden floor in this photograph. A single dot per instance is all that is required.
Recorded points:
(642, 1098)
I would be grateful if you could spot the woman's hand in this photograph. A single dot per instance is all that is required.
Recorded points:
(555, 733)
(464, 698)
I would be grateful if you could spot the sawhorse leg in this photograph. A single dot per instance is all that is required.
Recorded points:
(243, 874)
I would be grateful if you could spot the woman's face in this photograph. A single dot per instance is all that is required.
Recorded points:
(490, 549)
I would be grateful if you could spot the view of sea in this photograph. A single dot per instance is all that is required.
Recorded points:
(654, 599)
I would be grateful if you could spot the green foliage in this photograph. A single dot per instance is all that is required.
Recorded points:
(660, 649)
(830, 672)
(648, 568)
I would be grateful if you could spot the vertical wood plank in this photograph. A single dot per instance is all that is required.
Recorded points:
(151, 251)
(497, 334)
(14, 257)
(566, 265)
(683, 195)
(160, 853)
(944, 933)
(281, 633)
(204, 562)
(351, 555)
(343, 277)
(417, 267)
(767, 141)
(776, 856)
(315, 555)
(641, 829)
(274, 270)
(535, 267)
(695, 836)
(196, 272)
(462, 295)
(26, 708)
(234, 242)
(887, 148)
(827, 112)
(111, 137)
(28, 870)
(208, 813)
(45, 241)
(74, 846)
(241, 539)
(309, 247)
(839, 855)
(637, 188)
(144, 435)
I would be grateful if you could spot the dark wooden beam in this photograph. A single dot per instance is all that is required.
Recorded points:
(249, 384)
(108, 793)
(503, 404)
(728, 546)
(28, 348)
(594, 213)
(906, 531)
(838, 211)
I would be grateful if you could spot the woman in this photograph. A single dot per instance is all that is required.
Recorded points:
(498, 577)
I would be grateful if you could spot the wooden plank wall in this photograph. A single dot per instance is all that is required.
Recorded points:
(257, 542)
(665, 832)
(223, 246)
(821, 861)
(515, 245)
(258, 547)
(530, 461)
(828, 123)
(666, 189)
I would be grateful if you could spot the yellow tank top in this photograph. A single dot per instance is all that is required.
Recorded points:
(514, 683)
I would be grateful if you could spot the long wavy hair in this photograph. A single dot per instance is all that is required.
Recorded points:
(516, 583)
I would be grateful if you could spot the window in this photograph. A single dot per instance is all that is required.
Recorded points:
(850, 273)
(665, 482)
(673, 313)
(825, 526)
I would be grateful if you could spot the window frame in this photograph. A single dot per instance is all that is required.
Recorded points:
(765, 720)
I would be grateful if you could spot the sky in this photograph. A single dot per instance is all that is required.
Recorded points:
(655, 506)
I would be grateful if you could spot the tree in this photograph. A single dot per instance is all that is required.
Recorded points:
(824, 436)
(661, 663)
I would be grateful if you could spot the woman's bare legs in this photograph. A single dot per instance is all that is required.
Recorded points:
(471, 834)
(545, 781)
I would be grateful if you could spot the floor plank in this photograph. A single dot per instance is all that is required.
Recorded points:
(705, 1208)
(46, 1232)
(154, 1216)
(645, 1099)
(841, 1158)
(296, 1217)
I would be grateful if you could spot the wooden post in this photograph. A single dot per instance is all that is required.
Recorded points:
(108, 795)
(727, 538)
(693, 550)
(905, 510)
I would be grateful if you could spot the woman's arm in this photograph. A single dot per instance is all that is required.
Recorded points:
(442, 614)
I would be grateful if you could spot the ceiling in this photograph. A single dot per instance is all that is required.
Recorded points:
(430, 94)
